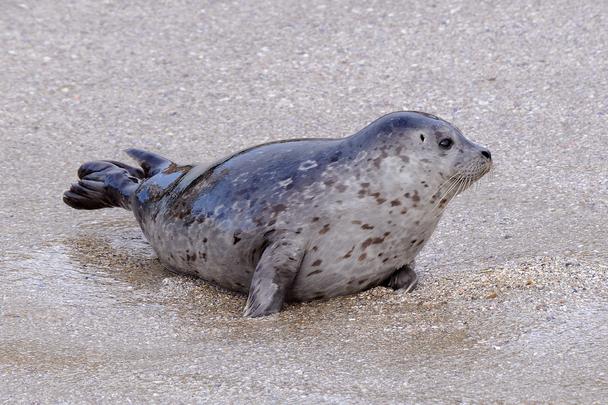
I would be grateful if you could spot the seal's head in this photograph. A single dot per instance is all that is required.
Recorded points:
(461, 161)
(435, 151)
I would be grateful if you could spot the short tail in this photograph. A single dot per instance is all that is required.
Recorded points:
(107, 183)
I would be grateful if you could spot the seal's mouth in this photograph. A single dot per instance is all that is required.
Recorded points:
(469, 174)
(465, 176)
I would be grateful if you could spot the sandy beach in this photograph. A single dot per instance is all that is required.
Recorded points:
(512, 304)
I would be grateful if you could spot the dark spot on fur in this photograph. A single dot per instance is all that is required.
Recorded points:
(378, 240)
(315, 248)
(315, 219)
(204, 240)
(312, 273)
(329, 182)
(349, 253)
(317, 262)
(362, 281)
(377, 162)
(375, 195)
(413, 241)
(362, 193)
(341, 188)
(325, 229)
(374, 241)
(236, 238)
(385, 260)
(380, 201)
(272, 222)
(403, 211)
(416, 197)
(299, 231)
(395, 203)
(420, 242)
(406, 195)
(204, 256)
(365, 185)
(362, 257)
(366, 243)
(277, 209)
(367, 226)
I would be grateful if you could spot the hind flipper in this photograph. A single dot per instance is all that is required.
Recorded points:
(97, 168)
(133, 171)
(150, 162)
(103, 184)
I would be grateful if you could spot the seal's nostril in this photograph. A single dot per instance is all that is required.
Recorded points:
(486, 154)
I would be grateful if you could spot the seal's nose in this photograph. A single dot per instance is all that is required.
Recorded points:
(486, 153)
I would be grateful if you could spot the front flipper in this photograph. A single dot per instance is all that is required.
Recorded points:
(273, 276)
(404, 278)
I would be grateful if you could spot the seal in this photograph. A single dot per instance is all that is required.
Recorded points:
(296, 220)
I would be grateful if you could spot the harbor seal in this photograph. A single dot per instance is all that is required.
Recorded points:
(296, 220)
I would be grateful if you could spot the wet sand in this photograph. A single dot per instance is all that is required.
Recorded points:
(512, 304)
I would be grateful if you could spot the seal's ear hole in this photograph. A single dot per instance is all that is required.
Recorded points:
(422, 137)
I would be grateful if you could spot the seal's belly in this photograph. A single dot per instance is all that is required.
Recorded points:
(200, 250)
(336, 280)
(347, 250)
(333, 265)
(342, 265)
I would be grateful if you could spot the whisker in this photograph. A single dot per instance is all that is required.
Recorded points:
(442, 193)
(445, 194)
(461, 186)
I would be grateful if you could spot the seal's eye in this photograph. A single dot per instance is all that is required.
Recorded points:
(446, 143)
